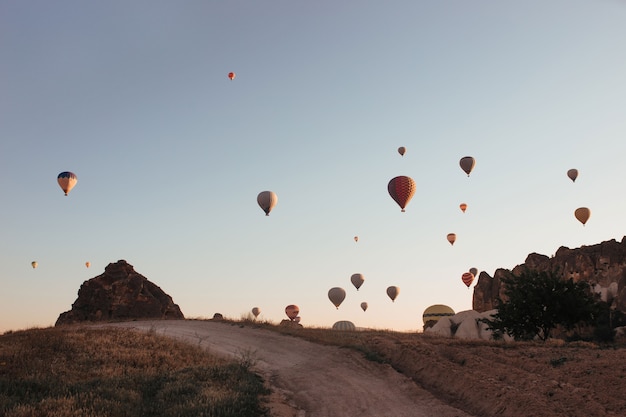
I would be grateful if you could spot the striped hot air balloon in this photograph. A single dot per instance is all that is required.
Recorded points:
(467, 278)
(402, 190)
(344, 325)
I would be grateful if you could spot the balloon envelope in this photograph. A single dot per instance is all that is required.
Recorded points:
(402, 190)
(393, 292)
(572, 174)
(467, 164)
(67, 180)
(356, 238)
(437, 311)
(256, 311)
(402, 150)
(474, 271)
(467, 278)
(292, 311)
(267, 200)
(336, 295)
(451, 238)
(463, 207)
(357, 280)
(364, 306)
(87, 264)
(582, 214)
(344, 325)
(232, 76)
(33, 264)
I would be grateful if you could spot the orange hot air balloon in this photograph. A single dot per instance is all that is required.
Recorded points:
(364, 306)
(451, 238)
(467, 278)
(393, 292)
(357, 280)
(231, 75)
(292, 311)
(467, 164)
(267, 200)
(463, 207)
(67, 180)
(572, 174)
(87, 264)
(402, 150)
(34, 264)
(402, 190)
(582, 214)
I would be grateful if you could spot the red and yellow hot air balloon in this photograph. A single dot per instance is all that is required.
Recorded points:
(451, 238)
(467, 164)
(292, 311)
(463, 207)
(267, 200)
(402, 190)
(231, 75)
(67, 180)
(467, 278)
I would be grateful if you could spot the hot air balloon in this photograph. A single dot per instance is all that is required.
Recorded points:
(67, 180)
(256, 311)
(267, 200)
(401, 189)
(467, 164)
(231, 75)
(451, 238)
(344, 325)
(402, 150)
(356, 238)
(572, 174)
(336, 295)
(437, 311)
(467, 278)
(463, 207)
(582, 214)
(357, 280)
(364, 306)
(34, 264)
(474, 271)
(393, 292)
(297, 319)
(87, 264)
(292, 311)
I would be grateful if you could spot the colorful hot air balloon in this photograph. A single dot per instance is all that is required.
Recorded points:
(67, 180)
(357, 280)
(451, 238)
(463, 207)
(436, 312)
(292, 311)
(34, 264)
(402, 150)
(467, 164)
(87, 264)
(467, 278)
(474, 271)
(393, 292)
(402, 190)
(364, 306)
(572, 174)
(582, 214)
(231, 75)
(267, 200)
(256, 311)
(336, 295)
(344, 325)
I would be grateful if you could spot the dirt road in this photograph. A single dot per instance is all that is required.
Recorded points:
(307, 379)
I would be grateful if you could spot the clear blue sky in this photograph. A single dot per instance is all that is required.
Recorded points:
(133, 97)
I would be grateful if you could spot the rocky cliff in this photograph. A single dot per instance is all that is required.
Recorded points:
(603, 266)
(120, 294)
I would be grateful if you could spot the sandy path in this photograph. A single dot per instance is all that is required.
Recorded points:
(309, 379)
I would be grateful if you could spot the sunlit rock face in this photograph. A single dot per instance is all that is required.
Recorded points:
(603, 266)
(120, 294)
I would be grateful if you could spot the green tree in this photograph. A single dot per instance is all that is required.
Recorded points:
(538, 302)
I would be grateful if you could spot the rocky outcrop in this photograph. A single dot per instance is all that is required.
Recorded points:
(120, 294)
(603, 266)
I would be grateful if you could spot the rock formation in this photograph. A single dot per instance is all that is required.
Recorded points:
(603, 266)
(120, 294)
